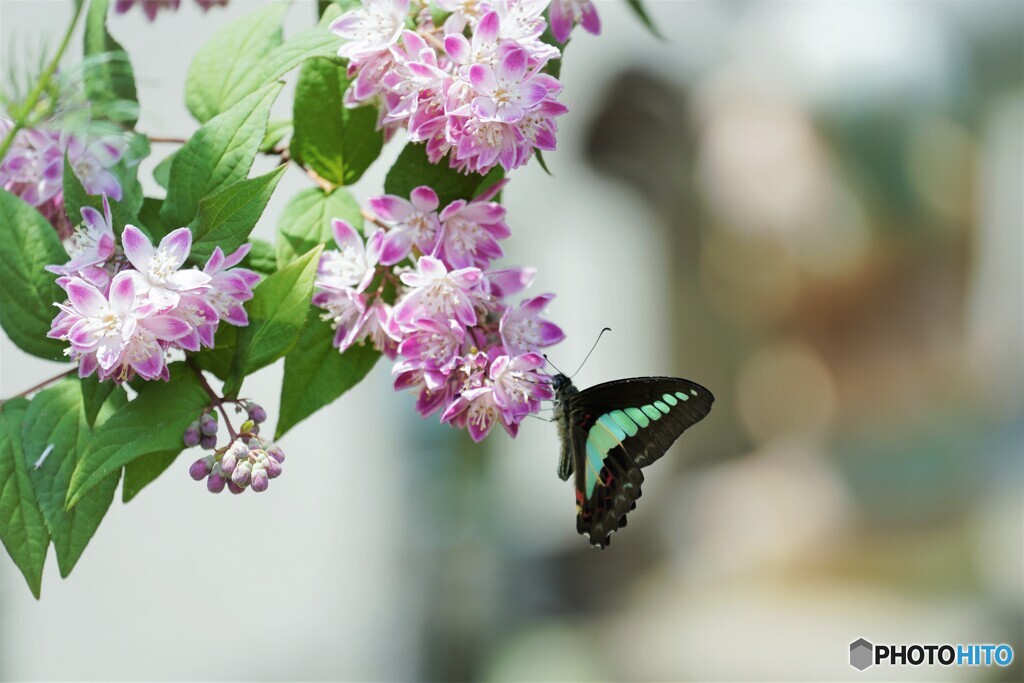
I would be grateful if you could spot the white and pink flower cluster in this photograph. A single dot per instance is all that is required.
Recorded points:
(124, 311)
(461, 346)
(474, 88)
(33, 167)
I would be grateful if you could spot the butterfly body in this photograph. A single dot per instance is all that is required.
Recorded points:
(612, 430)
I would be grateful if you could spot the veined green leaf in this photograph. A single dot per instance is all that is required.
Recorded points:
(232, 64)
(28, 243)
(306, 221)
(315, 374)
(277, 314)
(217, 155)
(22, 527)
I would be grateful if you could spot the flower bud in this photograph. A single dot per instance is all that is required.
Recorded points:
(229, 460)
(247, 427)
(208, 442)
(260, 480)
(256, 413)
(215, 482)
(255, 443)
(191, 435)
(208, 425)
(241, 474)
(273, 468)
(201, 468)
(235, 488)
(276, 453)
(257, 455)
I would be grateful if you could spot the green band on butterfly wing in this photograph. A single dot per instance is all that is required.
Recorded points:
(625, 422)
(595, 461)
(669, 399)
(637, 416)
(651, 412)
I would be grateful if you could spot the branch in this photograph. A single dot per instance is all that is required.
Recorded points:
(44, 80)
(44, 383)
(214, 396)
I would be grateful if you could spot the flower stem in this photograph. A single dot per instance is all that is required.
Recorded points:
(44, 383)
(44, 80)
(214, 397)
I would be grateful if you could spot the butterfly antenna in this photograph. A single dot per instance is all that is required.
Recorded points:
(552, 364)
(599, 335)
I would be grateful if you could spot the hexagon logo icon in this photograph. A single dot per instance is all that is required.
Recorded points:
(861, 654)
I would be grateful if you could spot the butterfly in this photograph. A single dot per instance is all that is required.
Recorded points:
(612, 430)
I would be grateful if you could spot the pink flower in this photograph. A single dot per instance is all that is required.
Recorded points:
(344, 309)
(477, 411)
(91, 163)
(470, 233)
(433, 345)
(437, 293)
(158, 273)
(566, 13)
(152, 7)
(352, 265)
(230, 287)
(33, 167)
(118, 335)
(371, 29)
(522, 330)
(410, 222)
(90, 245)
(507, 90)
(518, 386)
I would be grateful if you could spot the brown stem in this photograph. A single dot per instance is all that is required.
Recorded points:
(170, 141)
(324, 185)
(42, 384)
(214, 397)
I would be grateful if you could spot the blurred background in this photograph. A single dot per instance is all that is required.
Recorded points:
(813, 209)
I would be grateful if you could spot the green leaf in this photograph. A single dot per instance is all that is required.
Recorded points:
(217, 155)
(149, 219)
(108, 75)
(260, 258)
(336, 142)
(306, 221)
(315, 42)
(75, 197)
(28, 243)
(232, 64)
(277, 314)
(94, 394)
(56, 426)
(141, 472)
(276, 132)
(162, 171)
(152, 423)
(315, 374)
(413, 169)
(227, 216)
(641, 13)
(22, 527)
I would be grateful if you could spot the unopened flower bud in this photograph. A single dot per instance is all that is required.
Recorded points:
(247, 427)
(208, 425)
(255, 443)
(273, 468)
(235, 488)
(191, 435)
(260, 480)
(215, 483)
(257, 455)
(275, 453)
(200, 468)
(256, 413)
(228, 461)
(208, 442)
(242, 472)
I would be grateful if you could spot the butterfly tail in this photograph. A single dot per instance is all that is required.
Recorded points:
(606, 511)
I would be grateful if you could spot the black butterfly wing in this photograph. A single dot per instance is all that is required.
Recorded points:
(615, 429)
